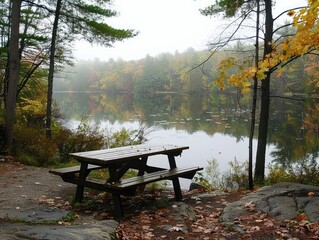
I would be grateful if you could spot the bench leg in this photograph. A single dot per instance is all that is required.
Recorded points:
(177, 189)
(176, 184)
(118, 211)
(80, 186)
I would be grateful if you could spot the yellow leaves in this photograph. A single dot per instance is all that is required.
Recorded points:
(239, 74)
(239, 79)
(33, 106)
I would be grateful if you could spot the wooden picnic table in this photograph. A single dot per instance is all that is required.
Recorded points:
(118, 161)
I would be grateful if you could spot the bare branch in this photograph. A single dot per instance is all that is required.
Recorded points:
(287, 11)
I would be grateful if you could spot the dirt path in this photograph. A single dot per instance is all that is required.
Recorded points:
(25, 187)
(34, 204)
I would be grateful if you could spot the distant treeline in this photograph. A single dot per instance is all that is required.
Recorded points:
(179, 72)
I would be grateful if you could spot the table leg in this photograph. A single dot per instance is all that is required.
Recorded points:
(80, 185)
(116, 198)
(141, 172)
(118, 211)
(176, 184)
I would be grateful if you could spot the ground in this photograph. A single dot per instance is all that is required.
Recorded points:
(151, 215)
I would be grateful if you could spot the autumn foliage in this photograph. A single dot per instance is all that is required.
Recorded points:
(304, 41)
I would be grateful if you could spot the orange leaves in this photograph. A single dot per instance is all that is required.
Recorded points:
(306, 23)
(302, 216)
(306, 39)
(291, 13)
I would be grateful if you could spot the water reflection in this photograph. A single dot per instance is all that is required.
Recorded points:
(214, 126)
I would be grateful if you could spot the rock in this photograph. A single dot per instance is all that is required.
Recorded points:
(102, 230)
(40, 214)
(281, 200)
(196, 186)
(184, 210)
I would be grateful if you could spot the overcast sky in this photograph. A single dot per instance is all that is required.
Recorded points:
(163, 26)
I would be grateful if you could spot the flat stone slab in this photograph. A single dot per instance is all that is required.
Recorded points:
(282, 200)
(102, 230)
(36, 215)
(31, 201)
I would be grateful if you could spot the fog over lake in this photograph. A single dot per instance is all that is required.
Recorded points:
(220, 132)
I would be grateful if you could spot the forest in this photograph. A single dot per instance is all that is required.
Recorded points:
(177, 73)
(280, 61)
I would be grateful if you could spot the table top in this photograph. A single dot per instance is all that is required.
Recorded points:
(115, 155)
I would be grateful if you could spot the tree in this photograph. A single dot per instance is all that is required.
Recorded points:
(80, 18)
(51, 68)
(230, 8)
(276, 55)
(265, 97)
(14, 69)
(254, 103)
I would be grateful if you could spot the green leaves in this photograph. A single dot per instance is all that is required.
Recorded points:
(230, 7)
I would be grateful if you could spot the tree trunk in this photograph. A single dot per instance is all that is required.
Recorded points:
(254, 104)
(13, 75)
(263, 131)
(265, 100)
(51, 69)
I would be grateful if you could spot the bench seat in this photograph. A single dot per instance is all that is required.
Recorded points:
(68, 175)
(69, 172)
(169, 174)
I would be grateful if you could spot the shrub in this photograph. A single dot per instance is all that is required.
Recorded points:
(33, 148)
(125, 137)
(306, 172)
(237, 176)
(210, 178)
(84, 138)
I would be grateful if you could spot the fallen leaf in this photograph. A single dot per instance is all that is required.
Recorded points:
(311, 194)
(302, 216)
(246, 237)
(175, 229)
(269, 223)
(250, 206)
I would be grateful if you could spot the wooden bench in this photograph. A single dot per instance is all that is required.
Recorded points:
(68, 173)
(168, 174)
(126, 186)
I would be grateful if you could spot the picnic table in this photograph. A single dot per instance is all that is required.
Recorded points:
(119, 161)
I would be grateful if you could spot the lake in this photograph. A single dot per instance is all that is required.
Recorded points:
(214, 127)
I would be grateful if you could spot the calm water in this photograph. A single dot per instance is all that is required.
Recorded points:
(213, 127)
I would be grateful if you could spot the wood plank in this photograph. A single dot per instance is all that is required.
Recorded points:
(155, 176)
(138, 180)
(72, 170)
(108, 156)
